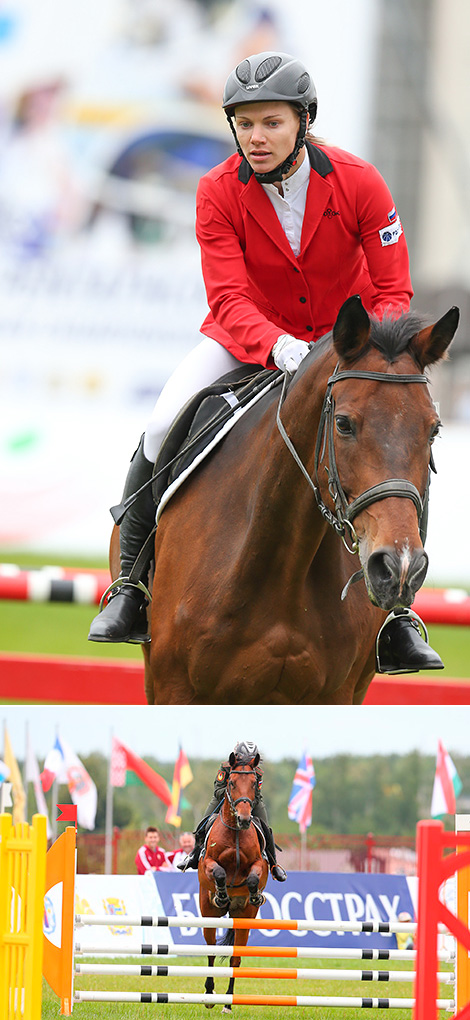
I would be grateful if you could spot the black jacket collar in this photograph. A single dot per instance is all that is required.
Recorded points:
(319, 162)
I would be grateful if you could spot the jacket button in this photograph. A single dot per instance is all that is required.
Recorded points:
(295, 269)
(309, 329)
(302, 300)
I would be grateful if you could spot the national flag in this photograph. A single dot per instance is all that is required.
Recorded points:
(4, 771)
(124, 760)
(182, 775)
(447, 785)
(32, 776)
(17, 788)
(63, 765)
(299, 807)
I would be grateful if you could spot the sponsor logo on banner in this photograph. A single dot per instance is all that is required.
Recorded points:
(390, 235)
(115, 907)
(49, 925)
(305, 896)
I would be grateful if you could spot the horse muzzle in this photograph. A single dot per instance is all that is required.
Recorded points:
(393, 578)
(243, 821)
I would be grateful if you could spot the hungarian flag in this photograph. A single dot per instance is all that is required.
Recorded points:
(447, 785)
(123, 761)
(299, 807)
(182, 775)
(62, 765)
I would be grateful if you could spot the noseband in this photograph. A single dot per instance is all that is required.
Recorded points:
(345, 512)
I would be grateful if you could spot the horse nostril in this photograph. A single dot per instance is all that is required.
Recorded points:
(383, 567)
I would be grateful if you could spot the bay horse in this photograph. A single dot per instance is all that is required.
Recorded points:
(253, 552)
(232, 871)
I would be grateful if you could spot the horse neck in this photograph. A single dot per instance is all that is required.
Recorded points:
(281, 486)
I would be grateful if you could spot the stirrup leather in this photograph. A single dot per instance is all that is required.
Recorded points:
(115, 585)
(394, 615)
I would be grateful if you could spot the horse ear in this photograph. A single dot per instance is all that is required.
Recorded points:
(256, 760)
(351, 329)
(232, 759)
(431, 343)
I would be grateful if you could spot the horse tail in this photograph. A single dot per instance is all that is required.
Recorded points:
(228, 939)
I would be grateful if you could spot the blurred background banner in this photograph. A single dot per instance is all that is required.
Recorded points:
(109, 115)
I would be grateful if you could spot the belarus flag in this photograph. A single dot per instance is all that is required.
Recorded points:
(447, 785)
(123, 760)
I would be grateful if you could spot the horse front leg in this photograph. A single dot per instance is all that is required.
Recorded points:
(256, 897)
(221, 896)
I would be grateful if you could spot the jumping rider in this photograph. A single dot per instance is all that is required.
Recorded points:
(245, 752)
(289, 228)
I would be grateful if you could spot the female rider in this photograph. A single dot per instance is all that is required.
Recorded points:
(288, 228)
(246, 753)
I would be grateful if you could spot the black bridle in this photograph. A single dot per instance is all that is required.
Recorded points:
(344, 512)
(240, 800)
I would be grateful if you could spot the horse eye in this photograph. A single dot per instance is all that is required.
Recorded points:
(436, 431)
(343, 425)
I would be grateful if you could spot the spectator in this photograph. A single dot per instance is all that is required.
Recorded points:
(151, 856)
(186, 842)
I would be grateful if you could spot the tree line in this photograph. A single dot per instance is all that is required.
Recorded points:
(383, 794)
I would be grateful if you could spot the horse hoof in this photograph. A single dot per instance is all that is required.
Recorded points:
(226, 1009)
(209, 1005)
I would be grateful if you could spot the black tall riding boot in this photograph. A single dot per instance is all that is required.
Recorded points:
(276, 871)
(124, 618)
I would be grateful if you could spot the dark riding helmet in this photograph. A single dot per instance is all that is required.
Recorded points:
(268, 77)
(245, 749)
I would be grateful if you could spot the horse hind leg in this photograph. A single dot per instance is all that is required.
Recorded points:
(210, 937)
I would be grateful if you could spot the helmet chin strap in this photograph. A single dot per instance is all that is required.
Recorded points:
(278, 173)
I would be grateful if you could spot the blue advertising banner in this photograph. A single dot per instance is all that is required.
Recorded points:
(304, 896)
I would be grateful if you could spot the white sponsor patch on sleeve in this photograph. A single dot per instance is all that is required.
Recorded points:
(390, 234)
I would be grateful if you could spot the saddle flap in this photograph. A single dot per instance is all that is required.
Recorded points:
(199, 420)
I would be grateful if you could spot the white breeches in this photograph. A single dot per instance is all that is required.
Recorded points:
(201, 367)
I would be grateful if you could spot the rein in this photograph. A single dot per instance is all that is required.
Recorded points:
(344, 512)
(236, 828)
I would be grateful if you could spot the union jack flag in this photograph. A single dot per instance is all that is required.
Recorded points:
(299, 807)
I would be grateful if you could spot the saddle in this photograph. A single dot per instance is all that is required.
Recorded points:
(199, 426)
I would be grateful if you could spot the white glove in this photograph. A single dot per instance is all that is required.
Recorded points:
(289, 352)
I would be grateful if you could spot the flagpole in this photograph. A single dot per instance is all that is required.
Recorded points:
(25, 766)
(108, 846)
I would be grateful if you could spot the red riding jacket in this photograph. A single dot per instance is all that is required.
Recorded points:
(257, 289)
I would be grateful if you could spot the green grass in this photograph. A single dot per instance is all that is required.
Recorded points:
(62, 628)
(246, 986)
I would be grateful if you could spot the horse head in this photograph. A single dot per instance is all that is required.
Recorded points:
(241, 789)
(381, 426)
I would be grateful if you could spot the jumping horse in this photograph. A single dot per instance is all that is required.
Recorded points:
(232, 871)
(253, 554)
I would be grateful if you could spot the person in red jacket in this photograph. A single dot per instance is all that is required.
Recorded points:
(150, 856)
(289, 228)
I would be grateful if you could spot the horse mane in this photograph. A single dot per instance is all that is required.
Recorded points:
(388, 335)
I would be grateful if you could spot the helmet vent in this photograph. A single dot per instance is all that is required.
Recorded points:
(267, 67)
(303, 83)
(243, 72)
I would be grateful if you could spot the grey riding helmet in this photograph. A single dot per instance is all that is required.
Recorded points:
(272, 77)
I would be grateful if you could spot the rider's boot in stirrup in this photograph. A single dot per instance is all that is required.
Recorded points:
(400, 647)
(276, 871)
(124, 618)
